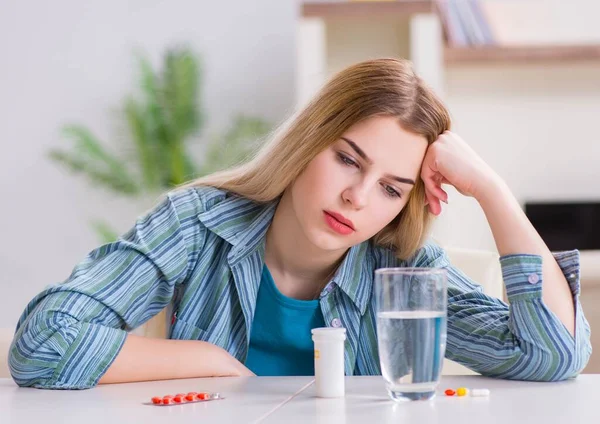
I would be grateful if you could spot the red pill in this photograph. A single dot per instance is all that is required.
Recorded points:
(202, 396)
(190, 397)
(450, 392)
(167, 401)
(156, 400)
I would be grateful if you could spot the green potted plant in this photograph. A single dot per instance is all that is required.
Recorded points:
(161, 121)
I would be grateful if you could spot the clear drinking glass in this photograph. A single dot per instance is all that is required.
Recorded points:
(411, 305)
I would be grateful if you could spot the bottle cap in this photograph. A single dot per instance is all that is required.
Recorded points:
(328, 333)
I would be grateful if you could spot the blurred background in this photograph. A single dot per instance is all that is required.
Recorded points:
(106, 104)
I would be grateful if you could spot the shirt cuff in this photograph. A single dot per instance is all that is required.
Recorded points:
(88, 357)
(522, 274)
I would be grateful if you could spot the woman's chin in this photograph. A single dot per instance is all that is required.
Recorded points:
(327, 241)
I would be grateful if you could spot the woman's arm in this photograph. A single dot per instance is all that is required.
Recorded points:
(523, 340)
(71, 333)
(143, 359)
(514, 234)
(450, 160)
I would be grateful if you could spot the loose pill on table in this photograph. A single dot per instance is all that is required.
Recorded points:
(450, 392)
(462, 391)
(480, 392)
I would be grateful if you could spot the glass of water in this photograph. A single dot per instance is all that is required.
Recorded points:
(411, 305)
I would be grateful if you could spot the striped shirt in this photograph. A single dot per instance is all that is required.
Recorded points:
(202, 249)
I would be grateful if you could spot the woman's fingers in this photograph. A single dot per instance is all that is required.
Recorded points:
(433, 203)
(434, 192)
(433, 183)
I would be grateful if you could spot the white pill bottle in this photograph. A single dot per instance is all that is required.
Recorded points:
(329, 361)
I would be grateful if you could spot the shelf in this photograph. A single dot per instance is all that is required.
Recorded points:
(452, 55)
(521, 54)
(344, 8)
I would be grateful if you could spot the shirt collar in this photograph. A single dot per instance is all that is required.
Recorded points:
(241, 222)
(244, 223)
(355, 275)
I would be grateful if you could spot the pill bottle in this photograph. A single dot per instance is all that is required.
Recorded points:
(329, 361)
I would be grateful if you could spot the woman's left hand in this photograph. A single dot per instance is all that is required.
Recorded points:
(450, 160)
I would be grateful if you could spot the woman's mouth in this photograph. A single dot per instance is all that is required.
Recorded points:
(338, 223)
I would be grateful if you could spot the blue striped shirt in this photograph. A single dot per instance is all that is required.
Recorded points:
(203, 250)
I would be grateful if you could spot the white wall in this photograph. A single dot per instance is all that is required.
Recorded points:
(71, 61)
(536, 125)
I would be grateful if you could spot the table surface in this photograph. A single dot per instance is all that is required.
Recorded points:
(292, 400)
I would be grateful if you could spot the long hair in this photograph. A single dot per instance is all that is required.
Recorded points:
(380, 87)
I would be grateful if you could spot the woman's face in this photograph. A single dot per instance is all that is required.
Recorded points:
(358, 185)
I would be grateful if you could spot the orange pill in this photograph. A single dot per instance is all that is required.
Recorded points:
(167, 401)
(156, 400)
(179, 399)
(202, 396)
(450, 392)
(190, 397)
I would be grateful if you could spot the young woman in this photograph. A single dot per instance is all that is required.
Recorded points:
(254, 257)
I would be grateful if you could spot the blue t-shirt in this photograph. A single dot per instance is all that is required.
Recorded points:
(280, 338)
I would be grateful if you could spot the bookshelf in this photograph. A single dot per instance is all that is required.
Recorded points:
(521, 54)
(399, 9)
(365, 9)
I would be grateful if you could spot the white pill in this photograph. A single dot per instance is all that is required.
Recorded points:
(480, 392)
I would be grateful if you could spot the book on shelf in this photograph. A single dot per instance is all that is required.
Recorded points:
(472, 23)
(464, 23)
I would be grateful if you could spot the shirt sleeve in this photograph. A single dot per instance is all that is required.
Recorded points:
(70, 334)
(521, 340)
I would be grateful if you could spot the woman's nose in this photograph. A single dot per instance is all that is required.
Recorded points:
(356, 196)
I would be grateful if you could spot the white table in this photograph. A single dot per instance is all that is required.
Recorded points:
(292, 400)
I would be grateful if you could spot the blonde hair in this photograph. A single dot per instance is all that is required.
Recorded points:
(380, 87)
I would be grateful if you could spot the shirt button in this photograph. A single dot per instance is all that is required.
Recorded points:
(336, 323)
(533, 279)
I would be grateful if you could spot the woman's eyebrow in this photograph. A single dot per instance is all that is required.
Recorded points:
(360, 152)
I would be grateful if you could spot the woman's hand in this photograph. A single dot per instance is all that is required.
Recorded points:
(450, 160)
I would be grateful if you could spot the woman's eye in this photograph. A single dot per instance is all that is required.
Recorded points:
(346, 160)
(390, 191)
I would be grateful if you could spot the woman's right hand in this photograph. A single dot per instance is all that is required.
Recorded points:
(233, 367)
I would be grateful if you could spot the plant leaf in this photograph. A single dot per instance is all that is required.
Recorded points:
(78, 164)
(236, 145)
(104, 231)
(144, 146)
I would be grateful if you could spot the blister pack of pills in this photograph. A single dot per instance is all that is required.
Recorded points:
(181, 398)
